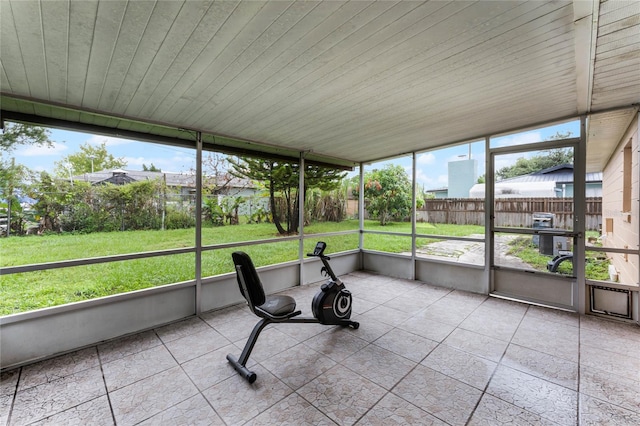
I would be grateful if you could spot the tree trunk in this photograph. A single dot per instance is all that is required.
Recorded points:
(274, 213)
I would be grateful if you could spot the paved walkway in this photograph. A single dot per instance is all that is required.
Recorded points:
(471, 252)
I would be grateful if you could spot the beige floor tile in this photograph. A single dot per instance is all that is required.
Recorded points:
(342, 395)
(554, 315)
(594, 412)
(239, 329)
(499, 305)
(408, 345)
(181, 329)
(623, 365)
(385, 314)
(610, 327)
(494, 412)
(402, 285)
(194, 411)
(360, 306)
(337, 344)
(477, 344)
(212, 367)
(5, 408)
(272, 341)
(378, 293)
(472, 300)
(432, 330)
(47, 399)
(128, 345)
(370, 329)
(140, 365)
(463, 366)
(446, 398)
(428, 293)
(492, 322)
(379, 365)
(58, 367)
(548, 337)
(392, 410)
(446, 312)
(194, 345)
(409, 303)
(94, 412)
(434, 348)
(236, 401)
(229, 314)
(548, 400)
(302, 332)
(8, 385)
(538, 364)
(9, 382)
(148, 397)
(298, 365)
(291, 411)
(612, 388)
(611, 340)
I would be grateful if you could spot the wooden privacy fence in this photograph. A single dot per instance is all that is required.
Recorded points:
(509, 211)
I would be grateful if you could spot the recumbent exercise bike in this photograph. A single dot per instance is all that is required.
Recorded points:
(330, 306)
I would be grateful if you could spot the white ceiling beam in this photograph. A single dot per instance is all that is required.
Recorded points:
(585, 21)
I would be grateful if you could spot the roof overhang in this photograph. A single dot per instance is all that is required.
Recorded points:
(338, 82)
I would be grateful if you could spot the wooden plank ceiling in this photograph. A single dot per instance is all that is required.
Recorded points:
(348, 81)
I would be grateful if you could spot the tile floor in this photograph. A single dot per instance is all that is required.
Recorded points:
(422, 355)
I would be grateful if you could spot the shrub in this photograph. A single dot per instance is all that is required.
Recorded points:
(177, 219)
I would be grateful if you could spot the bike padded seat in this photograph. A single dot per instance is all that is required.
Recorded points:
(273, 307)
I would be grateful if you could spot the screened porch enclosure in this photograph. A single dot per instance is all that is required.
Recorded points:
(348, 85)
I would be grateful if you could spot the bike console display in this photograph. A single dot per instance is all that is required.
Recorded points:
(318, 251)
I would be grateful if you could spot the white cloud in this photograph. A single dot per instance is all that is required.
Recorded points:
(518, 139)
(108, 140)
(426, 158)
(443, 180)
(423, 179)
(173, 164)
(41, 151)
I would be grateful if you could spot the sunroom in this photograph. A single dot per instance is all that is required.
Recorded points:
(351, 86)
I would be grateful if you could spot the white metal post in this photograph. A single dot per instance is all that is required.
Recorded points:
(198, 271)
(489, 214)
(301, 218)
(579, 193)
(361, 209)
(413, 215)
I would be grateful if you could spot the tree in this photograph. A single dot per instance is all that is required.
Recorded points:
(150, 168)
(15, 134)
(90, 158)
(387, 193)
(14, 177)
(549, 158)
(281, 179)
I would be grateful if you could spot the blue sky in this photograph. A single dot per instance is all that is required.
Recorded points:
(431, 166)
(135, 154)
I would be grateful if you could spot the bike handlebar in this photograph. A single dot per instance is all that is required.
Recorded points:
(321, 256)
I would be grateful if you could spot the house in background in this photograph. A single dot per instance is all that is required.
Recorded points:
(186, 182)
(183, 184)
(438, 192)
(556, 181)
(463, 174)
(562, 177)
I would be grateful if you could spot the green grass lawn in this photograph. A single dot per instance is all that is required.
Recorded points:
(34, 290)
(596, 267)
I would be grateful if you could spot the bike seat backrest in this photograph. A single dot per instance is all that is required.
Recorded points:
(248, 280)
